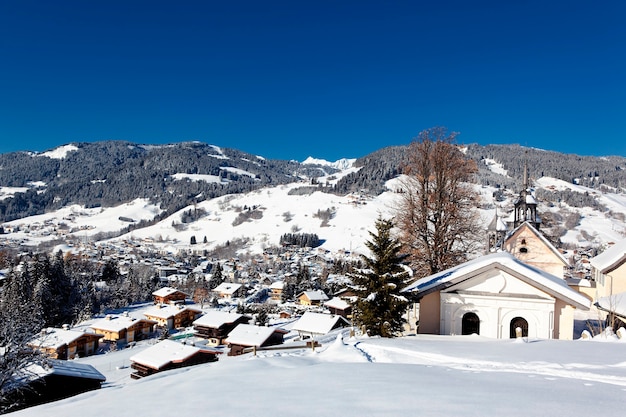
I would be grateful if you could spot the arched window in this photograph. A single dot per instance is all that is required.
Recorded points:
(523, 241)
(470, 324)
(522, 324)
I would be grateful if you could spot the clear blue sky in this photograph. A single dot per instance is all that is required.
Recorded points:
(330, 79)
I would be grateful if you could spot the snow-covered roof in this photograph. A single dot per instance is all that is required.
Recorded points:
(165, 291)
(615, 303)
(549, 283)
(216, 318)
(337, 303)
(164, 311)
(318, 323)
(55, 338)
(250, 335)
(277, 285)
(165, 352)
(67, 368)
(611, 258)
(317, 295)
(227, 288)
(114, 323)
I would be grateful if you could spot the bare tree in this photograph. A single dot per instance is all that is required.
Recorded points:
(437, 213)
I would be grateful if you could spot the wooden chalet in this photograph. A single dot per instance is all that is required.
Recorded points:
(215, 325)
(276, 290)
(312, 298)
(228, 290)
(172, 316)
(167, 355)
(318, 324)
(65, 343)
(169, 295)
(246, 336)
(339, 307)
(346, 294)
(57, 380)
(123, 329)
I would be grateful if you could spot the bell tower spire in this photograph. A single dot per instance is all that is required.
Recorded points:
(526, 205)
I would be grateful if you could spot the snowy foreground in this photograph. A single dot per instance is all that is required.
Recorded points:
(410, 376)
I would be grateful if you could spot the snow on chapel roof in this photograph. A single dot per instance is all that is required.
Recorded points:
(549, 283)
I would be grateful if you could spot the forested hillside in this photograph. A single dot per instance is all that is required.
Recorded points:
(592, 172)
(174, 176)
(109, 173)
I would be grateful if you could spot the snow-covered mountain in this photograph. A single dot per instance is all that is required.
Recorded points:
(341, 164)
(233, 197)
(256, 220)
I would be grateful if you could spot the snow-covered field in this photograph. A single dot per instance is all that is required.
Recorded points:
(409, 376)
(412, 375)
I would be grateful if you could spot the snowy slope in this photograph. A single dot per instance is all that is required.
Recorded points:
(280, 213)
(599, 227)
(414, 375)
(278, 210)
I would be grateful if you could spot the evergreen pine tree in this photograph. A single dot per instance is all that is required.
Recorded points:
(17, 327)
(380, 307)
(217, 277)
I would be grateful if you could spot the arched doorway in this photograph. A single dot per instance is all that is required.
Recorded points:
(522, 324)
(470, 324)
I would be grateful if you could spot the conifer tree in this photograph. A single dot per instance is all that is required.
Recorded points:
(217, 277)
(17, 327)
(380, 307)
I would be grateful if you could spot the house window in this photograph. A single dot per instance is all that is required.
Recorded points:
(523, 241)
(522, 324)
(470, 324)
(523, 250)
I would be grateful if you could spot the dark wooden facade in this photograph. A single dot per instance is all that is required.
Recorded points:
(217, 335)
(202, 356)
(63, 379)
(169, 297)
(276, 338)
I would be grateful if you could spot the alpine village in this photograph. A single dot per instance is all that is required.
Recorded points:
(191, 253)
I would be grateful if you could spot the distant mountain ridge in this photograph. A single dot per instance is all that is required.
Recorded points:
(173, 176)
(341, 164)
(109, 173)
